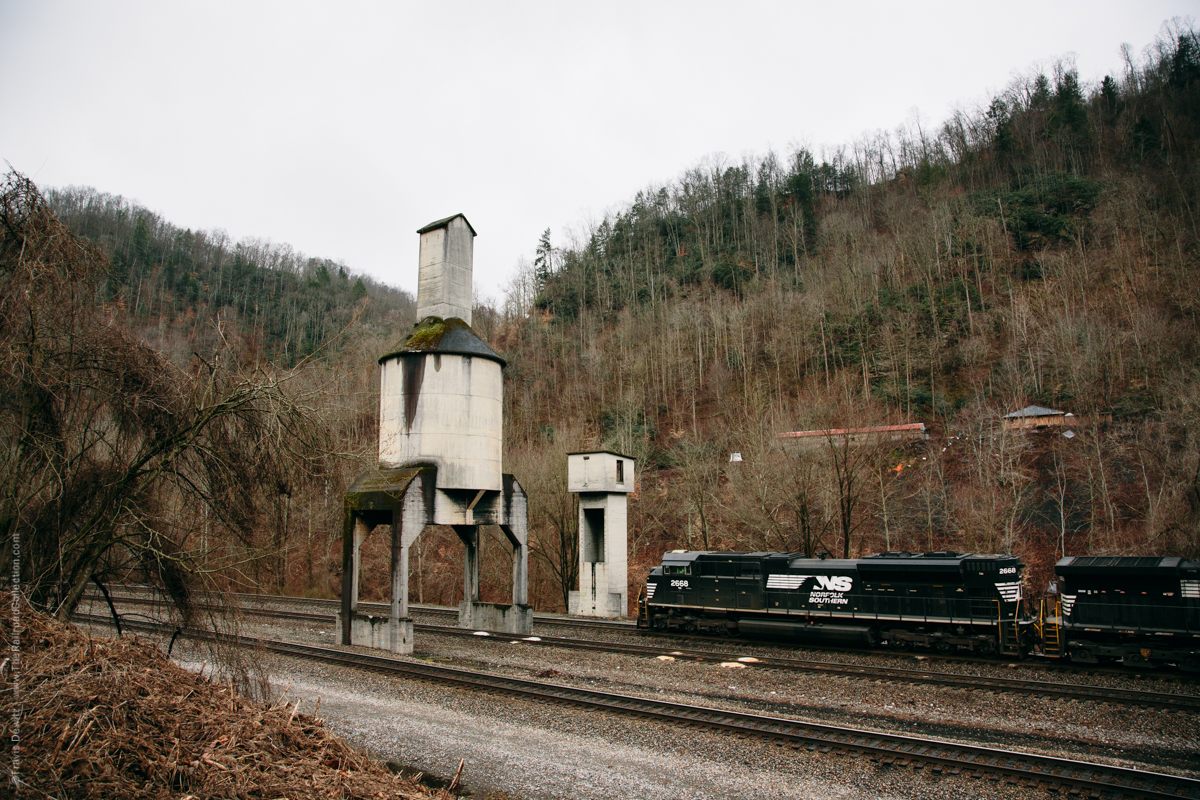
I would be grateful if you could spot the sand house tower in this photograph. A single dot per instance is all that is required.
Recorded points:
(603, 480)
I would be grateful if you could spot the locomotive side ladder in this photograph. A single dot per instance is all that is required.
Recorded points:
(1050, 627)
(1010, 631)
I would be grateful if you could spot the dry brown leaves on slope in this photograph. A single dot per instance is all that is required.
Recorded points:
(116, 718)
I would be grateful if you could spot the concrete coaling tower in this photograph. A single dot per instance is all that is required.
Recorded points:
(440, 453)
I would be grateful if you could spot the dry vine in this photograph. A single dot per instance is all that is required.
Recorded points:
(116, 718)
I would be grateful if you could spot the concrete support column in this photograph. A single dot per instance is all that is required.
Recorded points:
(408, 522)
(400, 628)
(520, 585)
(354, 531)
(469, 534)
(399, 607)
(361, 531)
(344, 611)
(516, 528)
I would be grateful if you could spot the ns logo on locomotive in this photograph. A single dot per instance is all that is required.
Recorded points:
(1144, 611)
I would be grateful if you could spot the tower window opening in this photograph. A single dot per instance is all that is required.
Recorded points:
(593, 540)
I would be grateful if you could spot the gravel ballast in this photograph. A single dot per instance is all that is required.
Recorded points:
(525, 749)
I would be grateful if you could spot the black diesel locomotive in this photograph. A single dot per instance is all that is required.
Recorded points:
(1143, 611)
(945, 601)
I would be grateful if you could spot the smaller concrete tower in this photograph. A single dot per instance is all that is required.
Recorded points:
(602, 480)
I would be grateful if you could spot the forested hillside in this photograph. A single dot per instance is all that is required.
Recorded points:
(1041, 250)
(289, 305)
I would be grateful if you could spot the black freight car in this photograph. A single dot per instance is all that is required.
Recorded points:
(944, 600)
(1143, 610)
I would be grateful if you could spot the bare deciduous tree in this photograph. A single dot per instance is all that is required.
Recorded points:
(116, 459)
(553, 511)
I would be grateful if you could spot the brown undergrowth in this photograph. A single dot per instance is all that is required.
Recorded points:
(101, 718)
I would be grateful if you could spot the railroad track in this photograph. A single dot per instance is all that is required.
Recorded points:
(382, 609)
(625, 626)
(248, 602)
(883, 748)
(628, 627)
(1062, 691)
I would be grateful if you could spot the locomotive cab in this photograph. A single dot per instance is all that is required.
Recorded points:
(696, 590)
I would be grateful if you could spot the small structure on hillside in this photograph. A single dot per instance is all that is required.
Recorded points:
(1037, 417)
(855, 436)
(440, 453)
(603, 481)
(1040, 418)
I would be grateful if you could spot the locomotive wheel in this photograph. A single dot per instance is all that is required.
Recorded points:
(899, 644)
(1136, 661)
(942, 646)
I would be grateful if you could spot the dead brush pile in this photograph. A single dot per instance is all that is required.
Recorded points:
(116, 718)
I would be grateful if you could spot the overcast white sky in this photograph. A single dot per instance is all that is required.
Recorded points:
(341, 128)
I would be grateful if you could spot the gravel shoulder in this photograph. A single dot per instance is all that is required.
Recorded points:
(525, 750)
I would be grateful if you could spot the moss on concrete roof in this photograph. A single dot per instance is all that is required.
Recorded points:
(437, 335)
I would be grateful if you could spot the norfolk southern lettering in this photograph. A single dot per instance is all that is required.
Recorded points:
(945, 601)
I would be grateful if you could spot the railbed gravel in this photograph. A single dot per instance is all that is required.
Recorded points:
(525, 749)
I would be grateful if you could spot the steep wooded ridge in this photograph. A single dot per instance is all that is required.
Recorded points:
(288, 304)
(1039, 251)
(1042, 250)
